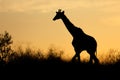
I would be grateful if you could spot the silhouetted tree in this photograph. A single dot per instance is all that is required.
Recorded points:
(5, 44)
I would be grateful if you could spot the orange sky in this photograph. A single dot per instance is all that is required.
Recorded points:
(30, 22)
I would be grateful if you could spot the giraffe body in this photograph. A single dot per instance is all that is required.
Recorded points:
(81, 41)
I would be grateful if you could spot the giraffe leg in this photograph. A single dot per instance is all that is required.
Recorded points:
(76, 56)
(93, 57)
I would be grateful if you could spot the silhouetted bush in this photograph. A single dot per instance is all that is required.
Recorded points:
(31, 57)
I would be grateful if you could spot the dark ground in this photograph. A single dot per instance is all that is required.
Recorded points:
(54, 70)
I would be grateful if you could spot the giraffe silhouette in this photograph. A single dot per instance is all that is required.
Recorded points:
(81, 41)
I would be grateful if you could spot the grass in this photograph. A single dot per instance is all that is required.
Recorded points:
(54, 56)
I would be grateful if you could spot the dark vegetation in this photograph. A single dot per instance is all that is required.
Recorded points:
(30, 61)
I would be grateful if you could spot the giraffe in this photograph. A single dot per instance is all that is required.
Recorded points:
(81, 41)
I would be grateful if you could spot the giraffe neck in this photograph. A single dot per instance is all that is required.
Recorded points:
(71, 28)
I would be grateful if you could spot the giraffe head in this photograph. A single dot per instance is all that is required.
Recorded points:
(58, 15)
